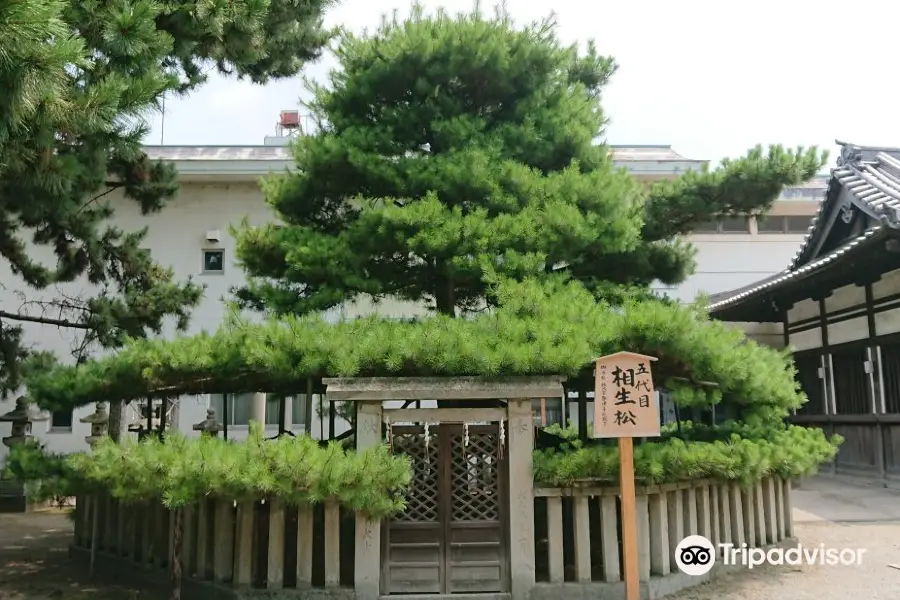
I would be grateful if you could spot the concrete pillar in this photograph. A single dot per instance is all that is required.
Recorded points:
(521, 496)
(582, 527)
(675, 505)
(367, 578)
(258, 408)
(332, 544)
(659, 534)
(555, 539)
(609, 538)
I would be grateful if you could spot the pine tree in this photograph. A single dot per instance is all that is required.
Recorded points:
(77, 81)
(454, 145)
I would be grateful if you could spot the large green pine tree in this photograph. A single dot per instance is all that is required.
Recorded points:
(77, 80)
(452, 145)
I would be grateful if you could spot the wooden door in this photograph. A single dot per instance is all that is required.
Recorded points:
(452, 536)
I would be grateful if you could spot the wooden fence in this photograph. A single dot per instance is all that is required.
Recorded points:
(578, 530)
(241, 545)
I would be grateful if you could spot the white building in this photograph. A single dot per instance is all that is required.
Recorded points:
(219, 188)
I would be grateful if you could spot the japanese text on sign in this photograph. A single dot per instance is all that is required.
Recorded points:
(624, 398)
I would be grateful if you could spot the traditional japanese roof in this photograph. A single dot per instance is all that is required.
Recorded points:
(863, 195)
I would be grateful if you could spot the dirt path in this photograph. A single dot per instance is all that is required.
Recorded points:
(872, 580)
(34, 563)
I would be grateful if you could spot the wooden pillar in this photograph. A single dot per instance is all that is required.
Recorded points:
(748, 503)
(243, 548)
(690, 512)
(555, 538)
(332, 544)
(201, 566)
(189, 540)
(609, 518)
(223, 548)
(714, 515)
(81, 509)
(275, 573)
(304, 547)
(521, 496)
(367, 559)
(148, 534)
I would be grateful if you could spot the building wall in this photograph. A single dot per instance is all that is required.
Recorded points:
(178, 238)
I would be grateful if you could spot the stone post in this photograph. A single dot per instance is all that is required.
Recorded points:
(521, 496)
(367, 580)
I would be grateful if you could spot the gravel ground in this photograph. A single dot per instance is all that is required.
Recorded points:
(34, 566)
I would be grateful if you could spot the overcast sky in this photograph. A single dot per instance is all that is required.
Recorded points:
(709, 78)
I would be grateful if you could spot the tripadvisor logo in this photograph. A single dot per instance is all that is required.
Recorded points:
(695, 555)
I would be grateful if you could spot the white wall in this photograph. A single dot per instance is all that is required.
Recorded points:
(177, 237)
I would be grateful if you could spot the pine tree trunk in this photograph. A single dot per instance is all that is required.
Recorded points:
(177, 547)
(116, 408)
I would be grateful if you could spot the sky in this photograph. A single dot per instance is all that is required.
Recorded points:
(710, 78)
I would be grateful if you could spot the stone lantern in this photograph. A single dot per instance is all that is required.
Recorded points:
(209, 426)
(99, 421)
(20, 417)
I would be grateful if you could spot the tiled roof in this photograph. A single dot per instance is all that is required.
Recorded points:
(870, 173)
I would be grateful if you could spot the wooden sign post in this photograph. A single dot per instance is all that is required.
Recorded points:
(625, 407)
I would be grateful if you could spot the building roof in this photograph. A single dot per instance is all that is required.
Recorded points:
(262, 159)
(867, 178)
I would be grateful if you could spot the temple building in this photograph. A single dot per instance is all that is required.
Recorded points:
(838, 302)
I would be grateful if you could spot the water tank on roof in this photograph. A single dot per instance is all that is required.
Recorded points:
(290, 119)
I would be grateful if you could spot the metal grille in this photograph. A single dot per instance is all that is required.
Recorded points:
(422, 499)
(475, 477)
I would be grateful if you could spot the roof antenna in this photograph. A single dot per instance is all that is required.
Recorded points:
(162, 132)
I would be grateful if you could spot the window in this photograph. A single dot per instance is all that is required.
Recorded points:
(213, 261)
(724, 225)
(735, 225)
(547, 411)
(783, 224)
(61, 420)
(240, 408)
(770, 224)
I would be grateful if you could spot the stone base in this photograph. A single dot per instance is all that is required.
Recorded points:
(657, 587)
(116, 566)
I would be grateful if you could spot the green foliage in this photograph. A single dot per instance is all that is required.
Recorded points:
(180, 471)
(454, 143)
(537, 329)
(78, 79)
(730, 452)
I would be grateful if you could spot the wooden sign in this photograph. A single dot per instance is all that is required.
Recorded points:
(624, 399)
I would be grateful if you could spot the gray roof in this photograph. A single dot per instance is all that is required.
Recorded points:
(178, 153)
(281, 153)
(872, 175)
